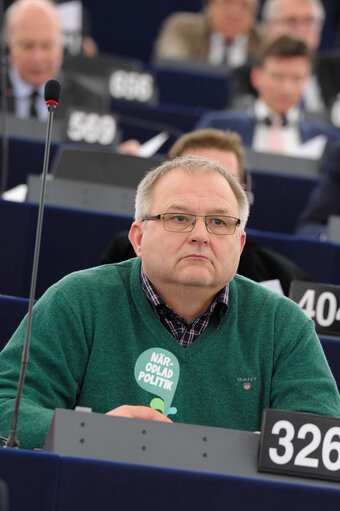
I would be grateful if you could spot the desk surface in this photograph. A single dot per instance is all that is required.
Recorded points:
(46, 482)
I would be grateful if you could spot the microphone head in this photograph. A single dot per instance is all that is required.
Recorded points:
(52, 92)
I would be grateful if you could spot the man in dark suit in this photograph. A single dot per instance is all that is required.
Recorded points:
(224, 33)
(256, 262)
(276, 122)
(305, 19)
(35, 46)
(324, 201)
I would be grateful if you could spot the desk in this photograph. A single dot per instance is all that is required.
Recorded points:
(276, 208)
(270, 211)
(71, 240)
(48, 482)
(318, 258)
(12, 310)
(25, 157)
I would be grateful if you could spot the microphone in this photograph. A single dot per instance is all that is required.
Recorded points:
(52, 94)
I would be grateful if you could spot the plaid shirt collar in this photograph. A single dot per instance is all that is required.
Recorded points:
(177, 326)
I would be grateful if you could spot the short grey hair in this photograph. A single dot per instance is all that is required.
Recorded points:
(269, 10)
(191, 165)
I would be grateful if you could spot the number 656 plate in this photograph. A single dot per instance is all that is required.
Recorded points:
(300, 444)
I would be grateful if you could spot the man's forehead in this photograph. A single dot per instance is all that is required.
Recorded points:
(248, 3)
(194, 174)
(32, 15)
(284, 60)
(293, 7)
(177, 182)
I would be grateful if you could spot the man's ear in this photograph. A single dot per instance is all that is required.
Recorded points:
(135, 237)
(242, 240)
(255, 77)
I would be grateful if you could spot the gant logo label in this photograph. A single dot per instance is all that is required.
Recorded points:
(247, 381)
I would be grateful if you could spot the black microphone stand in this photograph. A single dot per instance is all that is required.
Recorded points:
(12, 440)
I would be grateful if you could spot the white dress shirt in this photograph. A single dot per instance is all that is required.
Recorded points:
(289, 132)
(233, 54)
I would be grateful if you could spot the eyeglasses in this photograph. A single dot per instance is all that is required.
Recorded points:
(184, 222)
(294, 22)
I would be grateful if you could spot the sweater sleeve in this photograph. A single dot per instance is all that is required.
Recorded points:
(302, 380)
(59, 351)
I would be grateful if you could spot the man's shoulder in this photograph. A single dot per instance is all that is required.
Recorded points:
(7, 81)
(331, 168)
(190, 20)
(104, 278)
(256, 38)
(251, 293)
(313, 127)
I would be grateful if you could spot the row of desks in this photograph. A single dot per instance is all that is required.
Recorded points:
(42, 481)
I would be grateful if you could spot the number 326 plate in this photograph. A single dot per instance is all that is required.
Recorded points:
(300, 444)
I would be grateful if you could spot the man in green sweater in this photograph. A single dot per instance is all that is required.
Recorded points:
(173, 334)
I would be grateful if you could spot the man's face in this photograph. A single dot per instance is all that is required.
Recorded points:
(231, 17)
(35, 46)
(196, 259)
(297, 18)
(281, 81)
(227, 159)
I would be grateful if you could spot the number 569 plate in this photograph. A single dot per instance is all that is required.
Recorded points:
(300, 444)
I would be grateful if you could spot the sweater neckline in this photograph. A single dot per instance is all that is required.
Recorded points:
(162, 336)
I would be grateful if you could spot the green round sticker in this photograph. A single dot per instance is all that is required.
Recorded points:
(157, 371)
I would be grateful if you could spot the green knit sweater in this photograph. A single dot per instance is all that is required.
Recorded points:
(89, 330)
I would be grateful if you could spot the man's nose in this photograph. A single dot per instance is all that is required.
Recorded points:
(199, 232)
(285, 88)
(37, 53)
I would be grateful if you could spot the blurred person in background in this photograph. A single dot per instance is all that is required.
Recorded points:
(304, 19)
(88, 45)
(276, 122)
(324, 200)
(34, 39)
(301, 18)
(224, 33)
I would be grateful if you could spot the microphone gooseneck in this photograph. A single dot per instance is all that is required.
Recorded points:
(52, 94)
(3, 85)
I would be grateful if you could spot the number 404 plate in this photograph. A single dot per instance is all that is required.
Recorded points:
(320, 302)
(300, 444)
